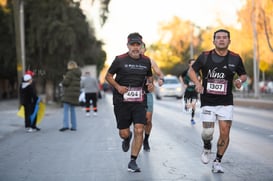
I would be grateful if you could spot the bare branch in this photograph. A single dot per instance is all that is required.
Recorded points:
(266, 31)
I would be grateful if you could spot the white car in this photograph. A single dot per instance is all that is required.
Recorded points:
(269, 87)
(172, 87)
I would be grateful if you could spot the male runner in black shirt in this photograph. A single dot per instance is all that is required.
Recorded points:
(190, 95)
(131, 70)
(218, 68)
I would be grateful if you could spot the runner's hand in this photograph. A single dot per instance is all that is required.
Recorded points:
(238, 83)
(122, 89)
(150, 86)
(199, 88)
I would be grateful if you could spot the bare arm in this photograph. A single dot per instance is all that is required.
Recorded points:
(150, 84)
(158, 72)
(198, 86)
(110, 79)
(182, 82)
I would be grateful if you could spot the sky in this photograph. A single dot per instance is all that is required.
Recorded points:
(144, 16)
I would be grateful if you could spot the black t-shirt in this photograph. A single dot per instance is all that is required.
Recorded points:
(186, 79)
(130, 72)
(217, 76)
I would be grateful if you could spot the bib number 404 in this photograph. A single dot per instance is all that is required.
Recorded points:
(133, 94)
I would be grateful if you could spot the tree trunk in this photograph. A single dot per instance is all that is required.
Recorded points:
(49, 90)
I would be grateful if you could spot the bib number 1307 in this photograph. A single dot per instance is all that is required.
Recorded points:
(218, 87)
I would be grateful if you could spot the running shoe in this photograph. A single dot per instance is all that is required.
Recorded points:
(216, 167)
(192, 122)
(205, 157)
(35, 128)
(132, 166)
(146, 145)
(63, 129)
(29, 130)
(126, 143)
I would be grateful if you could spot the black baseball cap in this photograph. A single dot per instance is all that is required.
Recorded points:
(134, 38)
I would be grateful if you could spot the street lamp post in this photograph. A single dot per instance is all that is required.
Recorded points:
(191, 45)
(18, 6)
(193, 28)
(255, 67)
(22, 35)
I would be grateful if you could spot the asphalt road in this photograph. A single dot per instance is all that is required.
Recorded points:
(94, 152)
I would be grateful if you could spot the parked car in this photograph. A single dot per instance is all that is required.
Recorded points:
(269, 87)
(172, 87)
(266, 86)
(262, 86)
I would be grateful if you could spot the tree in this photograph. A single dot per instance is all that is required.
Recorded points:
(173, 48)
(103, 10)
(7, 43)
(266, 14)
(7, 53)
(55, 32)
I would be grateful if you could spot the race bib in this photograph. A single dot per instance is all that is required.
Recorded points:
(134, 94)
(218, 87)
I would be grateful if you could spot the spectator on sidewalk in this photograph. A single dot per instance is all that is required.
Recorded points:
(29, 98)
(91, 90)
(71, 92)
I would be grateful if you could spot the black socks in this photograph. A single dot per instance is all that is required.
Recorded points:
(146, 137)
(192, 113)
(133, 157)
(218, 158)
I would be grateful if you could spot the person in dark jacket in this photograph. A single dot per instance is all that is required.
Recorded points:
(29, 99)
(71, 88)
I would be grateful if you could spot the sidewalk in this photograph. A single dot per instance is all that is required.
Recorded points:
(254, 103)
(9, 121)
(247, 100)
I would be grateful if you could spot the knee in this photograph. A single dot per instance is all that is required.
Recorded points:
(207, 133)
(149, 122)
(124, 133)
(138, 130)
(224, 133)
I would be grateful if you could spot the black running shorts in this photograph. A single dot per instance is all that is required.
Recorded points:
(128, 113)
(190, 95)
